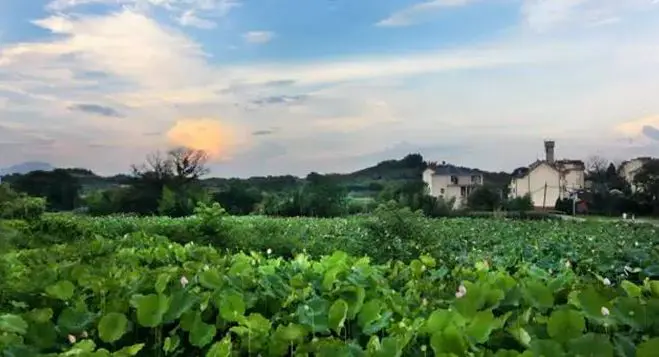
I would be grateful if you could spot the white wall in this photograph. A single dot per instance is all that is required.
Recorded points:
(439, 183)
(441, 186)
(427, 178)
(534, 183)
(575, 180)
(630, 169)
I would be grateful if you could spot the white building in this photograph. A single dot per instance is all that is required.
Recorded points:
(629, 169)
(449, 181)
(549, 179)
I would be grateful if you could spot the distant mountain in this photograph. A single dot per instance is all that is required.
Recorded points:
(26, 167)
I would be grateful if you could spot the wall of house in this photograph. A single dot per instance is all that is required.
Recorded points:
(534, 184)
(453, 191)
(557, 187)
(427, 179)
(575, 180)
(440, 183)
(441, 186)
(630, 169)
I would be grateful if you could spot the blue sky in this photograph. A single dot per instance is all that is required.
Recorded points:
(289, 86)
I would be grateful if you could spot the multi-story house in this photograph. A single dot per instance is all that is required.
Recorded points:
(629, 169)
(548, 180)
(452, 182)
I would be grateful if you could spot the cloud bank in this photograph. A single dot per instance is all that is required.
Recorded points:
(127, 81)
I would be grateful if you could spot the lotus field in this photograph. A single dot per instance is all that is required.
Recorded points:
(390, 284)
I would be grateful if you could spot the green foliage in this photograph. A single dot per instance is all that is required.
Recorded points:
(25, 207)
(321, 196)
(507, 241)
(59, 187)
(647, 181)
(238, 197)
(144, 295)
(14, 205)
(484, 198)
(519, 204)
(167, 206)
(395, 233)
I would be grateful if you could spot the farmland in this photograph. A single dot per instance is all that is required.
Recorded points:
(389, 284)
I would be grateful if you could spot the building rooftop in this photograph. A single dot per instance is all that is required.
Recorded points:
(558, 165)
(448, 169)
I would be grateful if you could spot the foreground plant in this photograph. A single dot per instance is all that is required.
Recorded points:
(143, 295)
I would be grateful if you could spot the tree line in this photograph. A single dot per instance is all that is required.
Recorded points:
(171, 184)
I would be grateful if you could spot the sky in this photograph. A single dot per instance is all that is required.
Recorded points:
(272, 87)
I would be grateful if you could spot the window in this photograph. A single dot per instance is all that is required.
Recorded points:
(454, 180)
(475, 179)
(441, 191)
(463, 191)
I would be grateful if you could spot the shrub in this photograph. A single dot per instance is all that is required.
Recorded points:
(395, 233)
(23, 207)
(524, 203)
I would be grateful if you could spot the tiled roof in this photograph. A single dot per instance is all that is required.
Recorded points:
(642, 159)
(444, 170)
(557, 165)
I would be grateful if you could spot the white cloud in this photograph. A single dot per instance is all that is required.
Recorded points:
(414, 13)
(128, 45)
(258, 37)
(514, 90)
(545, 15)
(189, 18)
(474, 57)
(185, 11)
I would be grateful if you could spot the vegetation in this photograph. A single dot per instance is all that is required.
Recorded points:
(172, 184)
(210, 277)
(216, 285)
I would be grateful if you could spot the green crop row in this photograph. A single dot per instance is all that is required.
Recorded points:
(143, 295)
(614, 249)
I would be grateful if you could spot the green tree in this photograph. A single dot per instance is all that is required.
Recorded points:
(647, 181)
(519, 204)
(178, 170)
(15, 205)
(238, 197)
(59, 188)
(484, 198)
(322, 196)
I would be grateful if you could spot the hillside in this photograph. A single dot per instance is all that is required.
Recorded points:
(365, 182)
(26, 167)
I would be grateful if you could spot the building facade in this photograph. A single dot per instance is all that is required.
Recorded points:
(452, 182)
(548, 180)
(630, 168)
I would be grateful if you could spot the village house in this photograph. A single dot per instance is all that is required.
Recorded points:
(630, 168)
(451, 182)
(548, 180)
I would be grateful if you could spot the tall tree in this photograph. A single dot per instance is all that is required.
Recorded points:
(59, 188)
(596, 164)
(322, 196)
(647, 180)
(178, 171)
(188, 164)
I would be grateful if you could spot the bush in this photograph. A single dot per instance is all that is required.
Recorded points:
(209, 222)
(436, 207)
(395, 233)
(484, 198)
(23, 207)
(520, 204)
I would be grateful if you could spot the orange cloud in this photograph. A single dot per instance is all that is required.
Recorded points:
(635, 127)
(219, 140)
